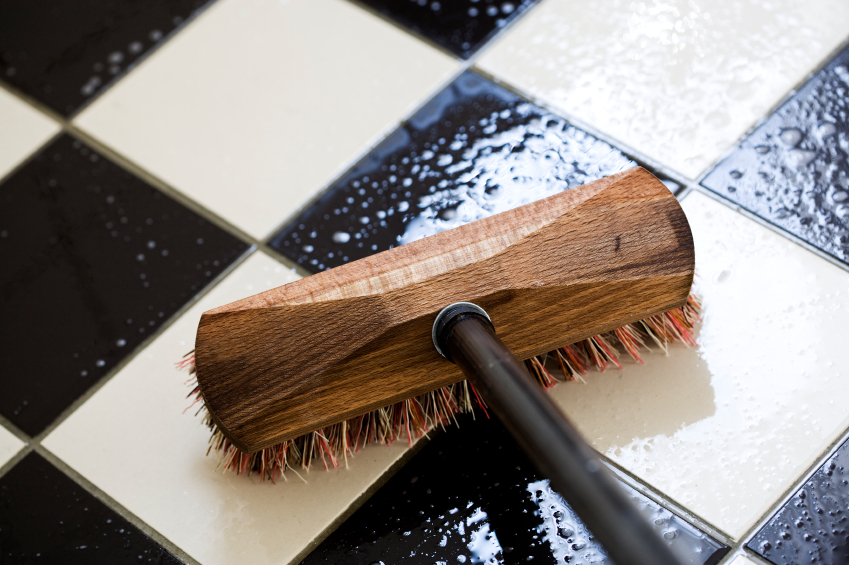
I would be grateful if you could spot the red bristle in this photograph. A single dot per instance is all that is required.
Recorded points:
(417, 416)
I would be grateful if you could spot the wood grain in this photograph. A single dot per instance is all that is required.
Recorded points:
(347, 341)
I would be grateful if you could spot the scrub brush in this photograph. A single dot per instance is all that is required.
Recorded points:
(381, 347)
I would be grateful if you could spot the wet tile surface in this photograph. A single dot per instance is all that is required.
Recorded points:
(677, 80)
(47, 518)
(314, 105)
(471, 495)
(727, 428)
(461, 26)
(24, 130)
(813, 527)
(94, 261)
(135, 426)
(794, 169)
(473, 151)
(63, 54)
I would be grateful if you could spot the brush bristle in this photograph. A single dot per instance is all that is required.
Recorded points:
(414, 418)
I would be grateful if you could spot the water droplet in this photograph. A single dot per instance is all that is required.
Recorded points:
(100, 363)
(121, 342)
(801, 157)
(791, 136)
(140, 257)
(151, 244)
(341, 237)
(308, 248)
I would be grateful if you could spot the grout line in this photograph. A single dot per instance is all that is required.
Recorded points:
(361, 156)
(688, 185)
(367, 493)
(404, 29)
(666, 501)
(464, 65)
(788, 494)
(92, 390)
(142, 58)
(774, 108)
(115, 506)
(793, 238)
(581, 124)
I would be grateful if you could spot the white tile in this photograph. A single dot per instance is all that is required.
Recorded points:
(258, 103)
(9, 445)
(23, 130)
(726, 429)
(132, 440)
(679, 80)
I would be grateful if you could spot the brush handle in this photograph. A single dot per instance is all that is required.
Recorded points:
(553, 444)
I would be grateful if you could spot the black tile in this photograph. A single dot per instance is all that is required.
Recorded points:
(63, 53)
(471, 496)
(45, 517)
(94, 260)
(813, 527)
(793, 170)
(461, 26)
(473, 151)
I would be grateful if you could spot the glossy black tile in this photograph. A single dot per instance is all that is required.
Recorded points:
(63, 53)
(473, 151)
(45, 517)
(813, 527)
(94, 260)
(793, 170)
(471, 496)
(461, 26)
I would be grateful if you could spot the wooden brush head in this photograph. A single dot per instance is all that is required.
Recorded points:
(347, 341)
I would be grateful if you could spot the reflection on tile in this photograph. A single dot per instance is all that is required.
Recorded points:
(472, 495)
(459, 26)
(9, 445)
(813, 527)
(133, 440)
(24, 130)
(794, 169)
(727, 428)
(254, 125)
(473, 151)
(94, 260)
(45, 517)
(63, 54)
(678, 80)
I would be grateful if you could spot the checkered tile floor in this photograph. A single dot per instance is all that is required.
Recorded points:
(163, 158)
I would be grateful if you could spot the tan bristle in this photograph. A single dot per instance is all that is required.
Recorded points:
(414, 418)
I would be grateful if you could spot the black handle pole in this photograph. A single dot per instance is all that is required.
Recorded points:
(549, 440)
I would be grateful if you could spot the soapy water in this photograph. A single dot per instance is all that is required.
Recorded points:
(571, 542)
(475, 150)
(794, 169)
